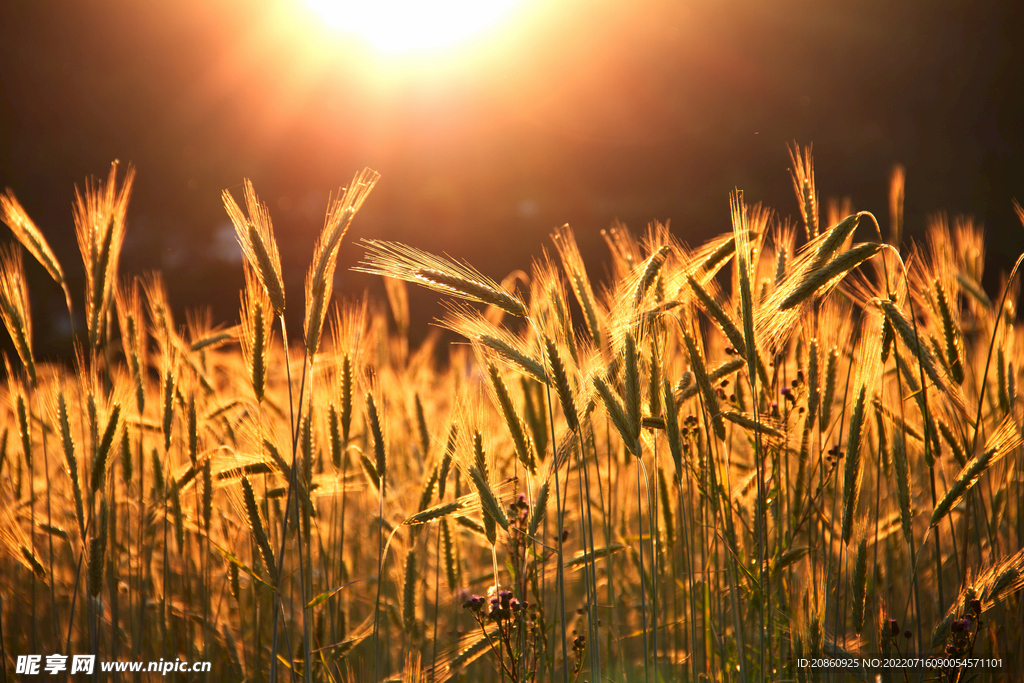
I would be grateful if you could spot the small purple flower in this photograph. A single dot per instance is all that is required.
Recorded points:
(474, 603)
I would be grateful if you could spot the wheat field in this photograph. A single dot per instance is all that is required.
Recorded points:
(800, 440)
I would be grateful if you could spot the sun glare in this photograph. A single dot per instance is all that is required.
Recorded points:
(407, 26)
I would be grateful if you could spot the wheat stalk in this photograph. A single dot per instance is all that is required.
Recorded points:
(97, 550)
(860, 582)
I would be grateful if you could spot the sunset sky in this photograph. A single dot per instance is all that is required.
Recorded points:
(553, 112)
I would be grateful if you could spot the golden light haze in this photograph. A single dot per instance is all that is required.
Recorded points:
(405, 27)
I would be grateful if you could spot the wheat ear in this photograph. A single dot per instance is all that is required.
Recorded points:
(479, 474)
(827, 275)
(14, 308)
(99, 463)
(441, 274)
(32, 239)
(320, 279)
(257, 332)
(68, 444)
(572, 261)
(803, 184)
(256, 237)
(897, 184)
(1005, 438)
(900, 464)
(99, 216)
(853, 471)
(514, 423)
(133, 337)
(950, 334)
(259, 531)
(649, 273)
(561, 383)
(613, 406)
(700, 372)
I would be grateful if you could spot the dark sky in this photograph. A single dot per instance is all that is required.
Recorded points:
(584, 113)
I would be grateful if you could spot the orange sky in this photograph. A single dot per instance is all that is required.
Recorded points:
(582, 113)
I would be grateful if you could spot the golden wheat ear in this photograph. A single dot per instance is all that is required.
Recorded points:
(507, 347)
(257, 332)
(1005, 439)
(572, 262)
(99, 215)
(517, 429)
(14, 307)
(32, 239)
(897, 183)
(439, 273)
(803, 184)
(255, 235)
(134, 341)
(320, 279)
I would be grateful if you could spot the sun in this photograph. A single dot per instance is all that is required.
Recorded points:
(399, 27)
